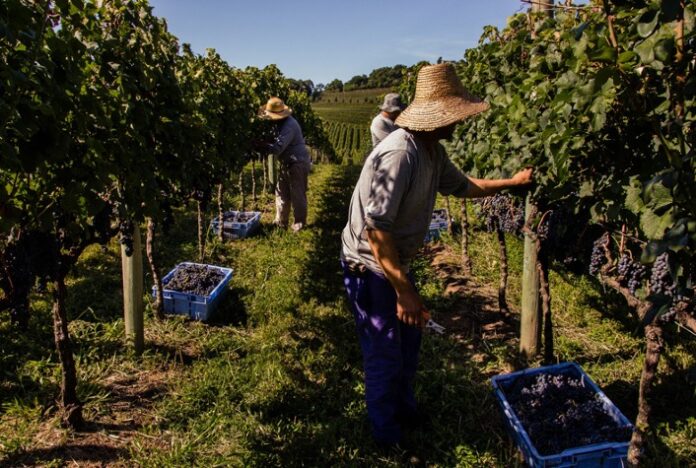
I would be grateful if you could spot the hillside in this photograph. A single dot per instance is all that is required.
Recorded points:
(347, 117)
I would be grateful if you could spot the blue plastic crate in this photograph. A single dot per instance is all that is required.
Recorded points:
(236, 230)
(438, 223)
(605, 455)
(192, 305)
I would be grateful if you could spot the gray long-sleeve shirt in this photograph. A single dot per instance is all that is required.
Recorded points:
(396, 193)
(290, 144)
(380, 127)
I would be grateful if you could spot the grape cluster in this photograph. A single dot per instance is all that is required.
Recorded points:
(631, 273)
(125, 230)
(501, 213)
(661, 281)
(559, 411)
(597, 258)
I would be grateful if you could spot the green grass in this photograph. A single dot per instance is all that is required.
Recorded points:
(276, 378)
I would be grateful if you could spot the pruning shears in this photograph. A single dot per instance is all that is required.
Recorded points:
(430, 324)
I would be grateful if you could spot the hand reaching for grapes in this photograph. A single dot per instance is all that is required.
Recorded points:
(524, 177)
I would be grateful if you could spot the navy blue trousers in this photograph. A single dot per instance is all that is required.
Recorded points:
(390, 353)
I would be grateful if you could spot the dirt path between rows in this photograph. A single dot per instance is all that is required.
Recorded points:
(475, 320)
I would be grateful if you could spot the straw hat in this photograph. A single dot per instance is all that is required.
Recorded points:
(275, 109)
(440, 100)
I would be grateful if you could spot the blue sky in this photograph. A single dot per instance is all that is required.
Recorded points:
(322, 40)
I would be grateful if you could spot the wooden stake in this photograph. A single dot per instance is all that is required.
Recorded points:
(133, 305)
(272, 173)
(530, 321)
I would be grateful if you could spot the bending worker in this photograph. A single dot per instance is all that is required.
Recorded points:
(389, 215)
(294, 162)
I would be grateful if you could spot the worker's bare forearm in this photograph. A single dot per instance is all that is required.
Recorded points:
(486, 187)
(384, 251)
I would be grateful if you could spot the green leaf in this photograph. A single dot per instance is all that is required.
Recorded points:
(634, 196)
(647, 23)
(654, 225)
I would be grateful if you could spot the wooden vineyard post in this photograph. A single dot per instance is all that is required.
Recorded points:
(272, 174)
(133, 305)
(530, 320)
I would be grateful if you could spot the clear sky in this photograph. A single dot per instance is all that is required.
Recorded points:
(323, 40)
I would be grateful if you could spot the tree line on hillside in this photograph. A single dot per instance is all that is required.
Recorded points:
(383, 77)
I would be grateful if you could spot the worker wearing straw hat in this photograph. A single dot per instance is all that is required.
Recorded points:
(383, 123)
(295, 164)
(389, 216)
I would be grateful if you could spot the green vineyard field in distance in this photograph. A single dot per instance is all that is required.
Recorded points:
(347, 117)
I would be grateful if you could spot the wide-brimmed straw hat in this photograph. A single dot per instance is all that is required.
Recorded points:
(392, 103)
(275, 109)
(440, 100)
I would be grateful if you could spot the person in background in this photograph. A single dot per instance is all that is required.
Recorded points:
(389, 215)
(294, 164)
(383, 124)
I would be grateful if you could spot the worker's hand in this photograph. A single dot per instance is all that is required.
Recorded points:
(409, 308)
(524, 177)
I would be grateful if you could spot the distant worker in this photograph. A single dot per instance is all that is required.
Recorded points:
(295, 163)
(388, 218)
(383, 124)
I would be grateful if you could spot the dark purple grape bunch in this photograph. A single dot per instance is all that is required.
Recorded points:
(661, 282)
(630, 273)
(125, 231)
(501, 213)
(597, 258)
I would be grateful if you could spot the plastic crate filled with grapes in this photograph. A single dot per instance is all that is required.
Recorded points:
(237, 224)
(194, 289)
(439, 222)
(558, 416)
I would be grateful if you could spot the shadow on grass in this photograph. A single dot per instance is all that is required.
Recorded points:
(321, 279)
(96, 454)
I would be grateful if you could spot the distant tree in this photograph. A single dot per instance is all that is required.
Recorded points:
(335, 85)
(302, 86)
(318, 91)
(357, 82)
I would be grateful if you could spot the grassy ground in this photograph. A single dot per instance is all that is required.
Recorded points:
(275, 379)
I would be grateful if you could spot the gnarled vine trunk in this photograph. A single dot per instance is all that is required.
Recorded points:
(545, 293)
(242, 199)
(158, 306)
(502, 286)
(466, 260)
(71, 407)
(653, 349)
(449, 215)
(201, 234)
(254, 198)
(221, 215)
